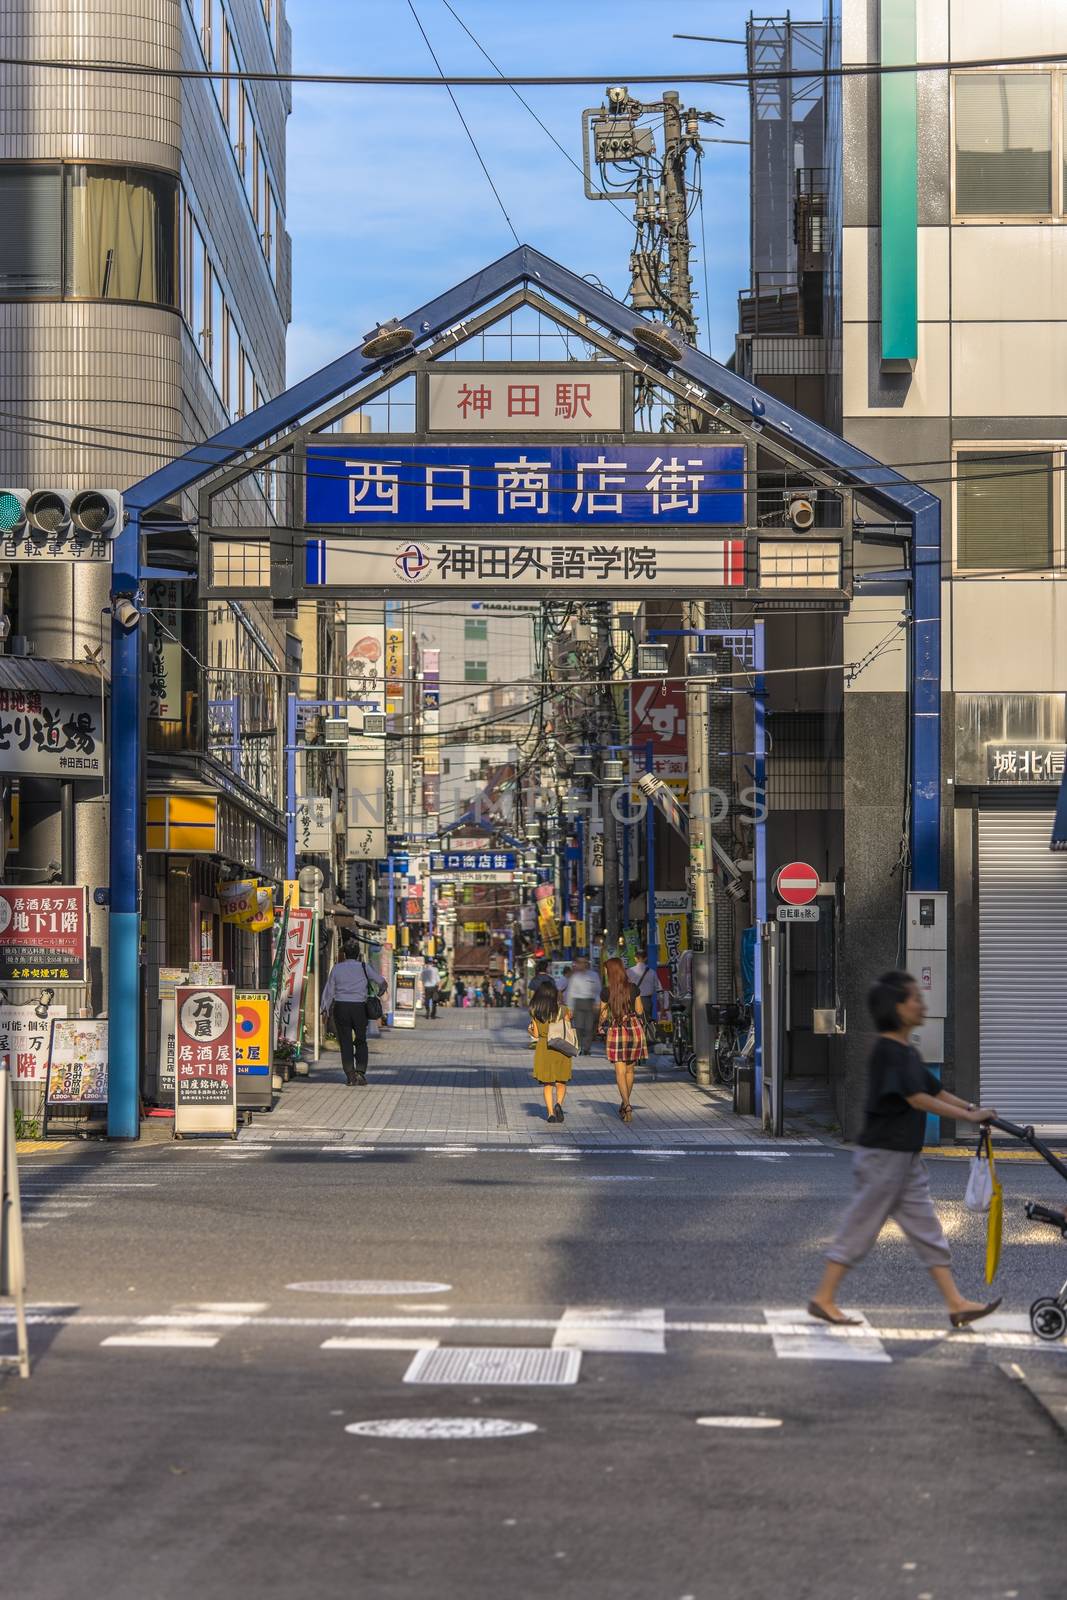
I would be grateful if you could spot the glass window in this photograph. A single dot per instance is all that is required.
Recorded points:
(269, 223)
(1004, 144)
(1004, 517)
(218, 334)
(234, 371)
(31, 239)
(476, 628)
(196, 310)
(120, 234)
(475, 672)
(244, 124)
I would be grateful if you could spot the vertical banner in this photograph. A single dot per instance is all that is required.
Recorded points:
(431, 724)
(365, 662)
(205, 1088)
(658, 713)
(672, 929)
(295, 952)
(164, 698)
(12, 1255)
(394, 671)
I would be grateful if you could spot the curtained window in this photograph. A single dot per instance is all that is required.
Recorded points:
(121, 234)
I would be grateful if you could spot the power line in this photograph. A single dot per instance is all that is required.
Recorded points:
(463, 120)
(526, 80)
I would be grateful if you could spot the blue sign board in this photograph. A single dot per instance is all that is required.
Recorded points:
(474, 861)
(528, 484)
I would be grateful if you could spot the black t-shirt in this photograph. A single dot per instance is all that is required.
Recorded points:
(895, 1071)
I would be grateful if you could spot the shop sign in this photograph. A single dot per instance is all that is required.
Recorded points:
(314, 824)
(50, 735)
(43, 935)
(365, 661)
(164, 660)
(473, 861)
(525, 402)
(169, 979)
(1032, 763)
(587, 486)
(238, 901)
(77, 1062)
(24, 1035)
(205, 1085)
(294, 969)
(658, 716)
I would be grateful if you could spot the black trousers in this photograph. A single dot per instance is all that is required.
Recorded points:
(350, 1020)
(430, 996)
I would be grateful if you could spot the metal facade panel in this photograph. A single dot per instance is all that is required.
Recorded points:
(1022, 923)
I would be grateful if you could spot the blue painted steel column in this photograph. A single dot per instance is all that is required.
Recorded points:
(626, 865)
(396, 938)
(290, 786)
(759, 710)
(924, 664)
(126, 819)
(652, 938)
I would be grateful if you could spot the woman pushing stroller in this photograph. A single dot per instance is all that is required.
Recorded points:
(888, 1170)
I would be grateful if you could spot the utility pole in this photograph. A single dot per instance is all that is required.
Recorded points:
(606, 797)
(676, 145)
(700, 875)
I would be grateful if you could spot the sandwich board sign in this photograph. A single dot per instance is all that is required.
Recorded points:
(12, 1257)
(205, 1082)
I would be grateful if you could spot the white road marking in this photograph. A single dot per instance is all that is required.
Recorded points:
(739, 1422)
(164, 1339)
(608, 1329)
(495, 1364)
(365, 1286)
(797, 1337)
(441, 1428)
(379, 1344)
(241, 1308)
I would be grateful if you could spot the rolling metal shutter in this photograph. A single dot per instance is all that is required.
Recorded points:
(1022, 964)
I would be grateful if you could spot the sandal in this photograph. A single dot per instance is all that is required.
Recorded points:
(626, 1113)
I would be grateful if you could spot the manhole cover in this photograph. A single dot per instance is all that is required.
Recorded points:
(385, 1286)
(441, 1428)
(493, 1364)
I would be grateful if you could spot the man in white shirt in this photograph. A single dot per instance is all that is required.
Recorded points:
(582, 999)
(431, 980)
(346, 991)
(646, 983)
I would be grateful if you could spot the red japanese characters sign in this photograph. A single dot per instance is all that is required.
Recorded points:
(205, 1071)
(557, 402)
(43, 935)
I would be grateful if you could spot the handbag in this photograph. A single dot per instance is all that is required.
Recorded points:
(979, 1192)
(565, 1042)
(373, 1004)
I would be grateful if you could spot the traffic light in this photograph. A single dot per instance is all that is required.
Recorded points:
(60, 513)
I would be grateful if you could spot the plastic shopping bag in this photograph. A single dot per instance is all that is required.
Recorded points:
(979, 1192)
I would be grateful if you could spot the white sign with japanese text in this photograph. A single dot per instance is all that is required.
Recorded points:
(517, 565)
(525, 402)
(314, 824)
(50, 735)
(24, 1035)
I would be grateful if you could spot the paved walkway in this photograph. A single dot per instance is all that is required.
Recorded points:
(466, 1078)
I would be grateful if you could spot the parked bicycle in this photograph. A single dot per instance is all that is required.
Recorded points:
(682, 1034)
(733, 1032)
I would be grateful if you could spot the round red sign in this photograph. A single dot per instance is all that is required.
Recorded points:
(797, 883)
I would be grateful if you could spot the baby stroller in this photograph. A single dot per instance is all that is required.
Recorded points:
(1048, 1315)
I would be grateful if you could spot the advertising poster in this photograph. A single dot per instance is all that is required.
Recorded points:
(43, 934)
(77, 1062)
(658, 715)
(205, 1085)
(295, 953)
(252, 1051)
(24, 1035)
(672, 929)
(365, 657)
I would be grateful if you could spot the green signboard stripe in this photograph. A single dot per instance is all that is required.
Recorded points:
(900, 186)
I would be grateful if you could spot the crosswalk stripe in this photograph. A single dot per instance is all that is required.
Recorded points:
(379, 1344)
(608, 1329)
(796, 1337)
(164, 1339)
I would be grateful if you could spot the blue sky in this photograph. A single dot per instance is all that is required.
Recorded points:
(387, 205)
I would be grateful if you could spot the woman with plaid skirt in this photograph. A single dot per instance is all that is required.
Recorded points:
(621, 1024)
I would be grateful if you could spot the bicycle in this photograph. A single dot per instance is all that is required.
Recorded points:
(733, 1029)
(682, 1035)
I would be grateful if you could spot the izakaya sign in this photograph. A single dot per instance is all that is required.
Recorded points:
(646, 485)
(43, 934)
(50, 735)
(205, 1087)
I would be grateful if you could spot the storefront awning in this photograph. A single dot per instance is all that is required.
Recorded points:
(27, 675)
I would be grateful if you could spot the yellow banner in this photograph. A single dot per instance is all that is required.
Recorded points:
(237, 900)
(264, 917)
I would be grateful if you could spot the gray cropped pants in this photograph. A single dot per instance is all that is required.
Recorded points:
(890, 1183)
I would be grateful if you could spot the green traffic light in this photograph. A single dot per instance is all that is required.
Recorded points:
(12, 512)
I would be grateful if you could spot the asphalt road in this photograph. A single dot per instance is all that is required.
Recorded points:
(186, 1428)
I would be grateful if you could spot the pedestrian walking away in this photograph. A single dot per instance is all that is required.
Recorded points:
(351, 982)
(550, 1026)
(622, 1024)
(582, 997)
(889, 1174)
(431, 980)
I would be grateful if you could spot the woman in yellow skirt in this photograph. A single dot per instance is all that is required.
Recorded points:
(551, 1068)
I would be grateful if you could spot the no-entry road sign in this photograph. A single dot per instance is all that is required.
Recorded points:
(797, 884)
